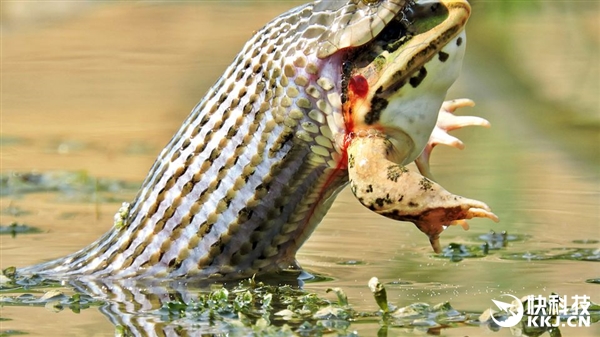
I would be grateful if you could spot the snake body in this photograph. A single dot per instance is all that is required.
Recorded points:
(257, 164)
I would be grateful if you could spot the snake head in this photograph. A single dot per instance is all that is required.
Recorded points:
(394, 88)
(396, 83)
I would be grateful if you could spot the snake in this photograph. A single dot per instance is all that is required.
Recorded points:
(329, 94)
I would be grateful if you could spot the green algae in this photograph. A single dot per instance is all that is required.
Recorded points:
(77, 186)
(12, 333)
(457, 252)
(492, 242)
(12, 282)
(586, 241)
(120, 218)
(54, 300)
(15, 228)
(566, 253)
(500, 240)
(254, 308)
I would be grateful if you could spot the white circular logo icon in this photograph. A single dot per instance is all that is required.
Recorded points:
(508, 308)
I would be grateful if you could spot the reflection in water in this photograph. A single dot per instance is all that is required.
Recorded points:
(135, 309)
(181, 309)
(176, 308)
(80, 94)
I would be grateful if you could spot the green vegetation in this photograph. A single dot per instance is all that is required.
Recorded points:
(254, 308)
(73, 186)
(16, 228)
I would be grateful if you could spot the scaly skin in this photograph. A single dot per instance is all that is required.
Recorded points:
(259, 161)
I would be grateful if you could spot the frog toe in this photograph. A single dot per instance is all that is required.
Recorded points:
(447, 122)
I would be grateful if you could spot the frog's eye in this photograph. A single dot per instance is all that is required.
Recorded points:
(371, 2)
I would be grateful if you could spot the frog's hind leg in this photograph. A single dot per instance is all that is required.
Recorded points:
(446, 122)
(391, 190)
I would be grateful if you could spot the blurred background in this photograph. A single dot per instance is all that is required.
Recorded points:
(92, 90)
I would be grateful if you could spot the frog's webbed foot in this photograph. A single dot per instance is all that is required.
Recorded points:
(393, 191)
(446, 122)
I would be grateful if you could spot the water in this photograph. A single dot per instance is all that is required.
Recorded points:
(100, 88)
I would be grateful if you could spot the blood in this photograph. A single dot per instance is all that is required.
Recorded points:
(359, 86)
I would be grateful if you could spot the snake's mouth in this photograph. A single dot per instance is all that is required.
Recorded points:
(410, 40)
(390, 84)
(415, 19)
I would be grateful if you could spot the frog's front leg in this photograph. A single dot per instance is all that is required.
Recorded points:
(446, 122)
(391, 190)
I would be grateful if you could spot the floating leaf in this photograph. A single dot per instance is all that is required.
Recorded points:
(586, 241)
(379, 293)
(574, 254)
(457, 252)
(15, 228)
(79, 186)
(341, 295)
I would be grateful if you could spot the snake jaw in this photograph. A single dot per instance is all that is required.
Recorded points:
(407, 72)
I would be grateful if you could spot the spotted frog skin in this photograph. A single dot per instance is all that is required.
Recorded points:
(328, 94)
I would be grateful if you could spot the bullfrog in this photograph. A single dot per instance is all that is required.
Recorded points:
(329, 94)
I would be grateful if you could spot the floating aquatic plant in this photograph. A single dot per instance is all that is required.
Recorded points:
(493, 241)
(76, 186)
(15, 228)
(254, 308)
(566, 253)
